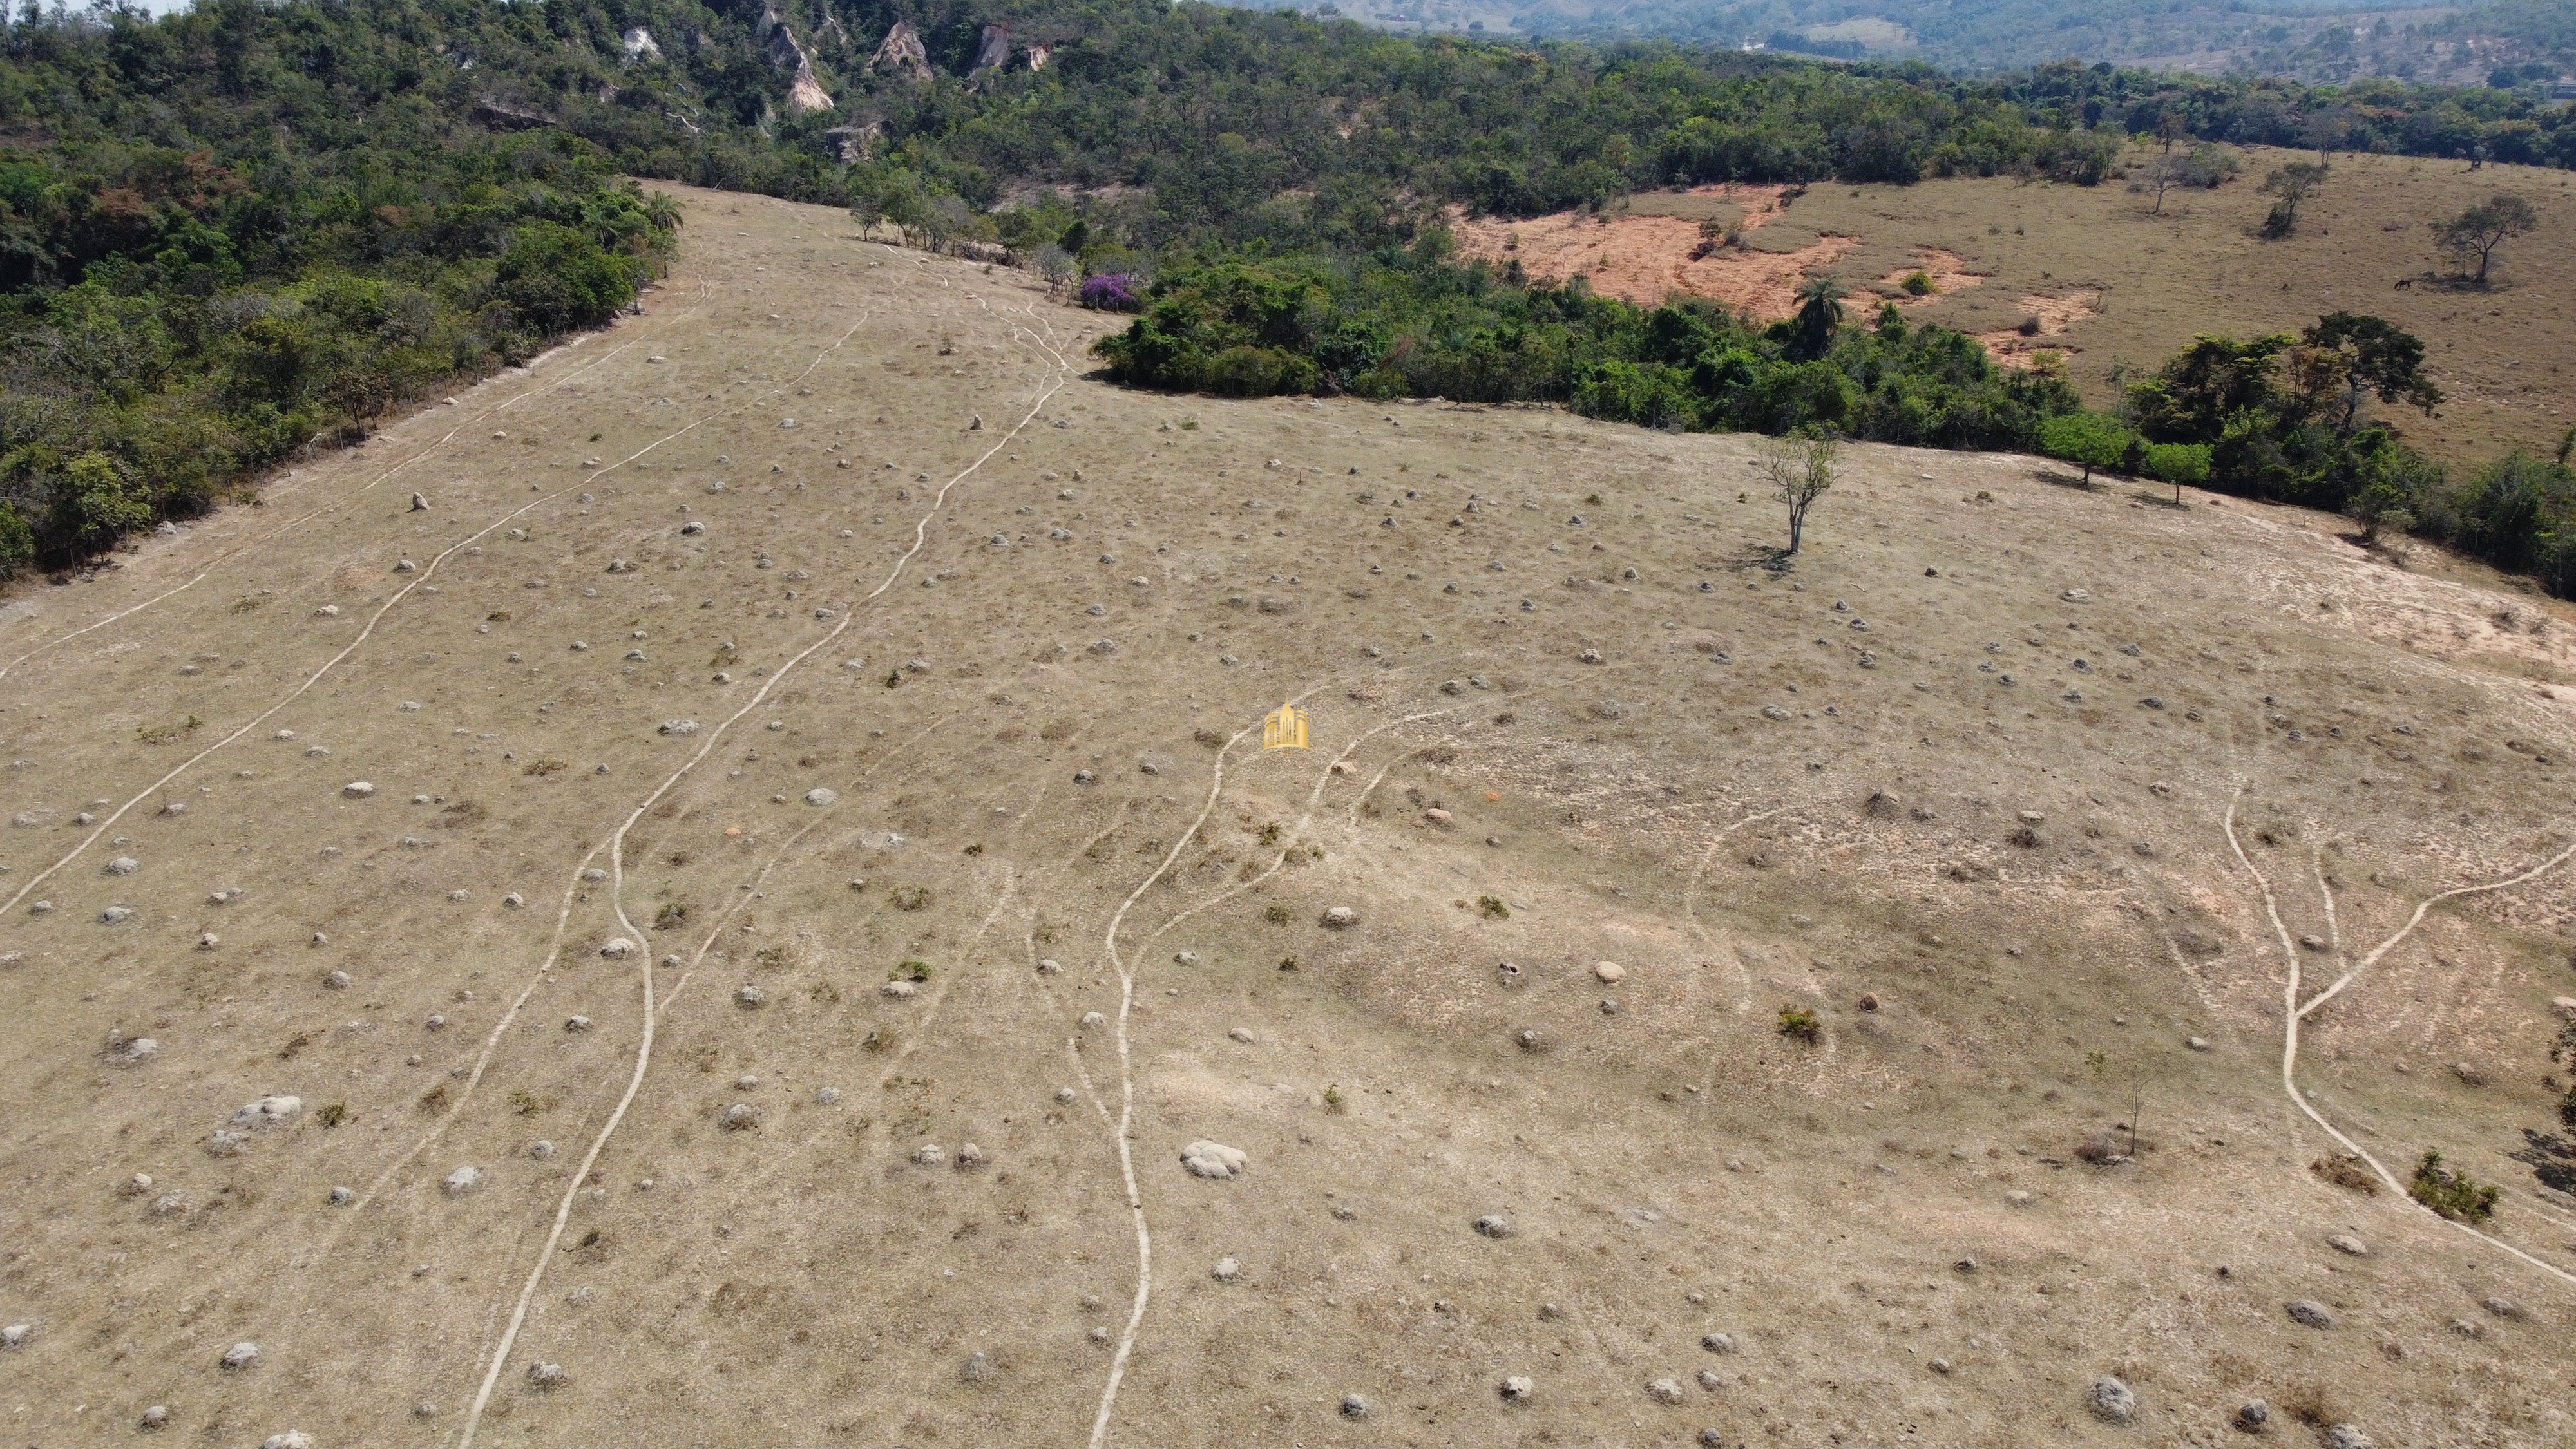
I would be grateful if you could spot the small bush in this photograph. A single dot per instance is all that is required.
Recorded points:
(2029, 325)
(1919, 284)
(1111, 292)
(672, 916)
(1276, 915)
(1333, 1101)
(524, 1103)
(911, 898)
(1797, 1021)
(915, 972)
(332, 1115)
(2455, 1195)
(1493, 907)
(2344, 1170)
(542, 768)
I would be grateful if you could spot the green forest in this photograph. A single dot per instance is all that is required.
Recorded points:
(246, 230)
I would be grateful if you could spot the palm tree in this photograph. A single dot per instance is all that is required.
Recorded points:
(1820, 311)
(663, 210)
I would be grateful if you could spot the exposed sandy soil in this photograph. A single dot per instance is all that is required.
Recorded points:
(1935, 809)
(2148, 283)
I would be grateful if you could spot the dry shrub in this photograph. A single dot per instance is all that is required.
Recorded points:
(2345, 1170)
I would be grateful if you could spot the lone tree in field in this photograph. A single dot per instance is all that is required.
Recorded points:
(2478, 231)
(2199, 168)
(1800, 469)
(2293, 184)
(2089, 439)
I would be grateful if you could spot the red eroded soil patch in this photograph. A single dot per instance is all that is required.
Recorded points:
(1646, 258)
(1948, 272)
(2012, 347)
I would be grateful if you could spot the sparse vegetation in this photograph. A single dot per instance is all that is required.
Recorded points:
(2452, 1193)
(1276, 915)
(673, 915)
(915, 972)
(332, 1114)
(2293, 183)
(1800, 470)
(2344, 1170)
(1801, 1024)
(910, 898)
(1492, 908)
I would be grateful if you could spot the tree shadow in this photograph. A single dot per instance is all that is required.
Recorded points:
(2056, 479)
(1773, 561)
(2160, 500)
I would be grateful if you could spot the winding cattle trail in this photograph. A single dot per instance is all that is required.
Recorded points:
(500, 1353)
(2293, 1013)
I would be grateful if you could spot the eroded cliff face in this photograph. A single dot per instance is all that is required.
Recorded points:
(804, 91)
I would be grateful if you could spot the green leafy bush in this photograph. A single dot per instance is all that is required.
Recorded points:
(2453, 1194)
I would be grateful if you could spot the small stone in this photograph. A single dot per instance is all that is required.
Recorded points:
(462, 1181)
(2347, 1243)
(2346, 1436)
(1049, 966)
(1226, 1270)
(618, 948)
(1664, 1391)
(1610, 972)
(740, 1117)
(1717, 1342)
(576, 1023)
(1093, 1021)
(1065, 1095)
(16, 1335)
(900, 990)
(1353, 1406)
(239, 1357)
(821, 795)
(1185, 958)
(930, 1154)
(1213, 1159)
(1340, 918)
(342, 1197)
(124, 865)
(336, 981)
(749, 995)
(2196, 1043)
(1939, 1365)
(2018, 1197)
(1708, 1379)
(548, 1375)
(113, 915)
(1241, 1034)
(542, 1150)
(2252, 1415)
(155, 1418)
(2501, 1307)
(141, 1049)
(291, 1439)
(2111, 1401)
(826, 1096)
(2309, 1312)
(1517, 1389)
(358, 789)
(969, 1157)
(1493, 1225)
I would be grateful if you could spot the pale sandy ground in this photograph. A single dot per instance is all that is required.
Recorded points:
(1674, 1169)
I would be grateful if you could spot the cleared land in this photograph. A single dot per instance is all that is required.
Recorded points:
(987, 699)
(2115, 286)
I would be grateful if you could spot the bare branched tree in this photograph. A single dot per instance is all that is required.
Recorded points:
(1800, 468)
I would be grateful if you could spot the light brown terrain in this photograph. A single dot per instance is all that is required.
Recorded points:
(967, 669)
(2117, 289)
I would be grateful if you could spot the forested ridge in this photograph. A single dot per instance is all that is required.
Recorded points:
(231, 233)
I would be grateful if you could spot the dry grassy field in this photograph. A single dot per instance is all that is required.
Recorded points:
(812, 728)
(2117, 287)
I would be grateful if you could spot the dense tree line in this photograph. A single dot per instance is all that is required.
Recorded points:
(216, 249)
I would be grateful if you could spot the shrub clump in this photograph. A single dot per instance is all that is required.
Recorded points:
(2455, 1195)
(1799, 1022)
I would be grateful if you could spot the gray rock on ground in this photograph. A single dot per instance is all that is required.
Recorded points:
(1517, 1389)
(2347, 1436)
(2347, 1243)
(1213, 1159)
(240, 1356)
(548, 1375)
(2111, 1401)
(462, 1181)
(269, 1113)
(290, 1439)
(2252, 1415)
(1340, 918)
(2309, 1313)
(1665, 1391)
(1493, 1225)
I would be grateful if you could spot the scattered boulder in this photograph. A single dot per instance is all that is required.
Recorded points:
(1227, 1270)
(1664, 1391)
(1353, 1406)
(16, 1335)
(463, 1181)
(1493, 1225)
(1213, 1159)
(292, 1438)
(1517, 1389)
(2111, 1401)
(970, 1157)
(358, 789)
(748, 996)
(2347, 1436)
(2347, 1243)
(930, 1154)
(1610, 972)
(740, 1117)
(822, 795)
(269, 1113)
(2310, 1313)
(548, 1375)
(1717, 1342)
(239, 1357)
(618, 948)
(154, 1419)
(2252, 1415)
(1340, 918)
(124, 865)
(2501, 1307)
